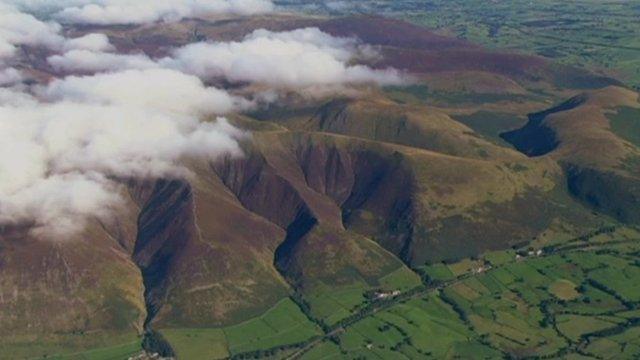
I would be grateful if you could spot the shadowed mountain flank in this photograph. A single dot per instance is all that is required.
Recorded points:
(600, 167)
(536, 138)
(184, 254)
(165, 226)
(607, 191)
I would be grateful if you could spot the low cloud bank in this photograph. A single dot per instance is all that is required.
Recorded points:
(89, 42)
(61, 149)
(18, 28)
(297, 59)
(111, 12)
(293, 59)
(10, 76)
(98, 61)
(67, 143)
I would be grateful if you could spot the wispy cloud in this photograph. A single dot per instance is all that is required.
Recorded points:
(293, 59)
(109, 12)
(61, 149)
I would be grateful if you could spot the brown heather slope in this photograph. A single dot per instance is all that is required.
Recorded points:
(206, 260)
(56, 290)
(602, 169)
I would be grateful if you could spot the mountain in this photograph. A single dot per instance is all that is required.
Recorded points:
(336, 197)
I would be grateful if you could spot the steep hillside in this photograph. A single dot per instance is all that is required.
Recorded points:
(84, 291)
(601, 166)
(194, 264)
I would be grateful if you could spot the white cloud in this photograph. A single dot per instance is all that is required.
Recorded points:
(14, 97)
(56, 206)
(294, 59)
(298, 59)
(92, 42)
(44, 7)
(7, 49)
(161, 89)
(60, 154)
(338, 5)
(18, 28)
(89, 53)
(10, 76)
(96, 61)
(145, 11)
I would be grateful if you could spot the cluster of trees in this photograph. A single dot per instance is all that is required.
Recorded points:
(304, 306)
(426, 279)
(582, 238)
(406, 340)
(266, 353)
(618, 329)
(454, 305)
(548, 319)
(602, 287)
(153, 342)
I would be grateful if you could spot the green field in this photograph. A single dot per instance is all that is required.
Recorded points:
(563, 289)
(197, 343)
(626, 124)
(491, 124)
(120, 351)
(574, 326)
(547, 304)
(438, 272)
(282, 325)
(330, 304)
(95, 346)
(497, 258)
(283, 328)
(424, 327)
(421, 94)
(401, 279)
